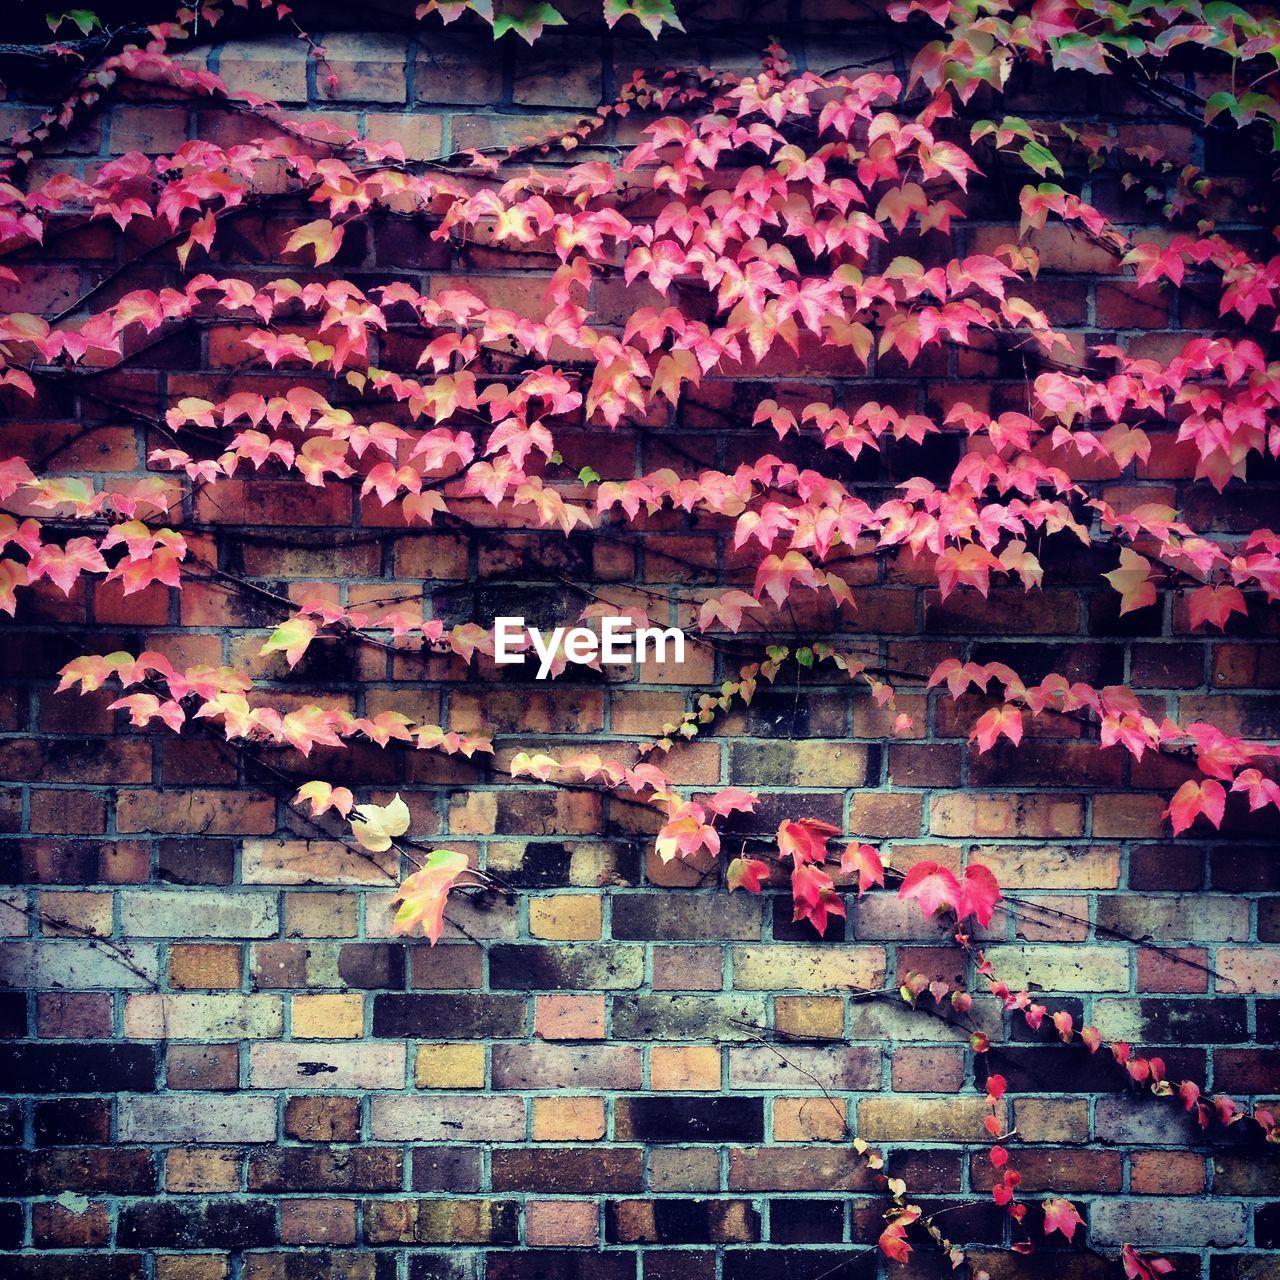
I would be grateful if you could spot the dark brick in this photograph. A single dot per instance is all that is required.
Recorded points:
(1266, 1227)
(1166, 867)
(806, 1221)
(568, 1170)
(196, 861)
(1237, 1071)
(1057, 1170)
(13, 1015)
(681, 1119)
(1268, 1016)
(1220, 1020)
(553, 1264)
(937, 1171)
(454, 1265)
(78, 1068)
(678, 1264)
(10, 1123)
(799, 1264)
(188, 1223)
(1244, 1266)
(1072, 1069)
(102, 1266)
(71, 1121)
(117, 1170)
(685, 917)
(446, 1169)
(467, 1017)
(673, 1221)
(446, 968)
(11, 1227)
(567, 967)
(1269, 919)
(1239, 868)
(372, 965)
(334, 1169)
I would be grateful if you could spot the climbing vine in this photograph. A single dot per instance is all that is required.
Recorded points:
(757, 218)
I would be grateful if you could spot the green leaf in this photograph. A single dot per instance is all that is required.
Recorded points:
(651, 14)
(589, 475)
(1039, 158)
(1220, 102)
(85, 19)
(556, 458)
(804, 657)
(529, 24)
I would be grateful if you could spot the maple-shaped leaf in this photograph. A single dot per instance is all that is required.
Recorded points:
(422, 896)
(144, 707)
(63, 565)
(932, 887)
(866, 861)
(1132, 581)
(814, 895)
(323, 797)
(12, 576)
(321, 235)
(999, 722)
(651, 14)
(376, 826)
(725, 608)
(979, 893)
(893, 1243)
(1215, 605)
(290, 638)
(747, 873)
(1193, 799)
(731, 800)
(526, 19)
(805, 839)
(1061, 1215)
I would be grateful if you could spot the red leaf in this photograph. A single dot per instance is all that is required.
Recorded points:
(805, 839)
(747, 873)
(1215, 605)
(1193, 799)
(1061, 1215)
(978, 894)
(932, 887)
(866, 861)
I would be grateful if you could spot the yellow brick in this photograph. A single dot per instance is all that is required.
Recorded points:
(568, 1119)
(961, 813)
(450, 1066)
(809, 1017)
(204, 965)
(1051, 866)
(1052, 1119)
(202, 1169)
(565, 916)
(807, 968)
(904, 1119)
(694, 1067)
(814, 1119)
(204, 1266)
(320, 915)
(328, 1017)
(1062, 966)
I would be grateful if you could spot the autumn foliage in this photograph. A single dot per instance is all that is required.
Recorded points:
(756, 221)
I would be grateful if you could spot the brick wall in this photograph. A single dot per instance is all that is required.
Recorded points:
(218, 1064)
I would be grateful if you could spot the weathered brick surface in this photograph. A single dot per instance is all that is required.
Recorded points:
(210, 1041)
